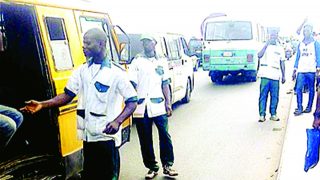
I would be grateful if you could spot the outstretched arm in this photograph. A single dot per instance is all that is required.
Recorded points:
(34, 106)
(301, 25)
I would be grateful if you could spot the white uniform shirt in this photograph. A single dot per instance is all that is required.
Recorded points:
(148, 74)
(307, 61)
(270, 62)
(101, 90)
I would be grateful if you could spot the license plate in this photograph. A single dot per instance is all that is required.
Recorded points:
(227, 54)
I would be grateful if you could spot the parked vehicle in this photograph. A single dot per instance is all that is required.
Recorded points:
(41, 44)
(195, 47)
(230, 46)
(174, 48)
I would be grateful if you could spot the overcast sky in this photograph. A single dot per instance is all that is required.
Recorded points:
(185, 17)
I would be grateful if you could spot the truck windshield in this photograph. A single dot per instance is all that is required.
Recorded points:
(228, 30)
(195, 45)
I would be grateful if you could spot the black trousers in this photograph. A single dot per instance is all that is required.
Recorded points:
(144, 129)
(101, 160)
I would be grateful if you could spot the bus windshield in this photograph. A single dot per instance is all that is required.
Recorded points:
(228, 30)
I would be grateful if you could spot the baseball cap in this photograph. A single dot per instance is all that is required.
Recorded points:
(148, 36)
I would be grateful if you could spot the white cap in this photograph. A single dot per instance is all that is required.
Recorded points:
(148, 36)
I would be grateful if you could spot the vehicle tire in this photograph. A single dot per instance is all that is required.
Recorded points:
(216, 78)
(254, 79)
(213, 79)
(219, 79)
(187, 97)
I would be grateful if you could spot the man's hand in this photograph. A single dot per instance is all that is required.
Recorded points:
(316, 123)
(112, 127)
(283, 80)
(32, 107)
(168, 109)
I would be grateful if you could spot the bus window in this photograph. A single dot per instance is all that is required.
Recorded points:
(174, 49)
(59, 43)
(228, 30)
(87, 23)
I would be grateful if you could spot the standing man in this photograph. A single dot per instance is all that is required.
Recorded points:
(306, 65)
(149, 75)
(271, 69)
(101, 87)
(10, 121)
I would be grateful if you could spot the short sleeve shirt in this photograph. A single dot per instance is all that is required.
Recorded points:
(149, 74)
(270, 62)
(101, 89)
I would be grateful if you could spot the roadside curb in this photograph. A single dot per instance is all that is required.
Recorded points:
(284, 139)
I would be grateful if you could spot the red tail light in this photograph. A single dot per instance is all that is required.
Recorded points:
(249, 57)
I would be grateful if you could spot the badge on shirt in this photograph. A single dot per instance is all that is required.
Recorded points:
(159, 70)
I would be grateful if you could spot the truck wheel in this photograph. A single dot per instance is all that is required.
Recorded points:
(254, 79)
(213, 79)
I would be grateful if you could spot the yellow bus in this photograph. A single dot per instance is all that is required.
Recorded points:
(40, 45)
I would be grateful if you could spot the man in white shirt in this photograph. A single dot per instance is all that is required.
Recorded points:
(306, 67)
(271, 70)
(101, 87)
(149, 74)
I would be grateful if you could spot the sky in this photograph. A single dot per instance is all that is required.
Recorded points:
(186, 16)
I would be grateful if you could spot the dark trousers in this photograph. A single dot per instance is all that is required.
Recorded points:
(268, 86)
(308, 79)
(144, 128)
(101, 160)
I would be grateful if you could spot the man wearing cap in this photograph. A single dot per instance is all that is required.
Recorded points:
(306, 68)
(271, 70)
(149, 75)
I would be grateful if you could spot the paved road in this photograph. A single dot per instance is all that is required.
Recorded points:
(217, 135)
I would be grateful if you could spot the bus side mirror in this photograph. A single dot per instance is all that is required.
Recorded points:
(124, 46)
(124, 53)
